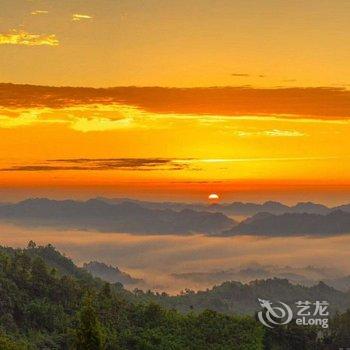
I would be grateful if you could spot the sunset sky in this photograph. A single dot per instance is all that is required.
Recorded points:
(175, 99)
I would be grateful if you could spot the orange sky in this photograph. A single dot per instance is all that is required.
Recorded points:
(86, 138)
(175, 43)
(280, 130)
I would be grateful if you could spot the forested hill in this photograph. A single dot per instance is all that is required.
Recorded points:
(64, 307)
(242, 298)
(46, 302)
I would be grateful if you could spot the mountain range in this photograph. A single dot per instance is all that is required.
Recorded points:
(294, 224)
(142, 217)
(241, 298)
(126, 216)
(237, 208)
(306, 276)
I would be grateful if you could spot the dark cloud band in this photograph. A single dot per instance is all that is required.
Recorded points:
(317, 103)
(140, 164)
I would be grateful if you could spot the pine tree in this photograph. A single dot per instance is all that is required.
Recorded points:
(89, 334)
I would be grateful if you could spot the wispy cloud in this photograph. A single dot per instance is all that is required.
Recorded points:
(101, 124)
(116, 117)
(240, 75)
(85, 118)
(282, 133)
(21, 37)
(80, 17)
(246, 75)
(98, 164)
(25, 119)
(146, 164)
(39, 12)
(270, 133)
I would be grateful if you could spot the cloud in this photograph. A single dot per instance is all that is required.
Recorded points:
(139, 164)
(240, 75)
(292, 103)
(10, 120)
(21, 37)
(101, 118)
(39, 12)
(246, 75)
(282, 133)
(271, 133)
(27, 117)
(101, 124)
(156, 257)
(146, 164)
(79, 17)
(7, 122)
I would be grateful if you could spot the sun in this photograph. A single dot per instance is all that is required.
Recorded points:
(213, 197)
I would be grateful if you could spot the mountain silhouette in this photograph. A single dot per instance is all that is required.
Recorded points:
(294, 224)
(236, 208)
(126, 216)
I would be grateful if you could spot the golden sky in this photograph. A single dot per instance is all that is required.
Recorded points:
(160, 139)
(175, 43)
(276, 124)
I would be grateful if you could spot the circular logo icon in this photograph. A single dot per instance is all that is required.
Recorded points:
(273, 315)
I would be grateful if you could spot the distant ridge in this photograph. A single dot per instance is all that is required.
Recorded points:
(145, 217)
(238, 208)
(294, 224)
(126, 216)
(241, 298)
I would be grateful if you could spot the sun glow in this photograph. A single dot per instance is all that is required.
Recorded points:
(213, 197)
